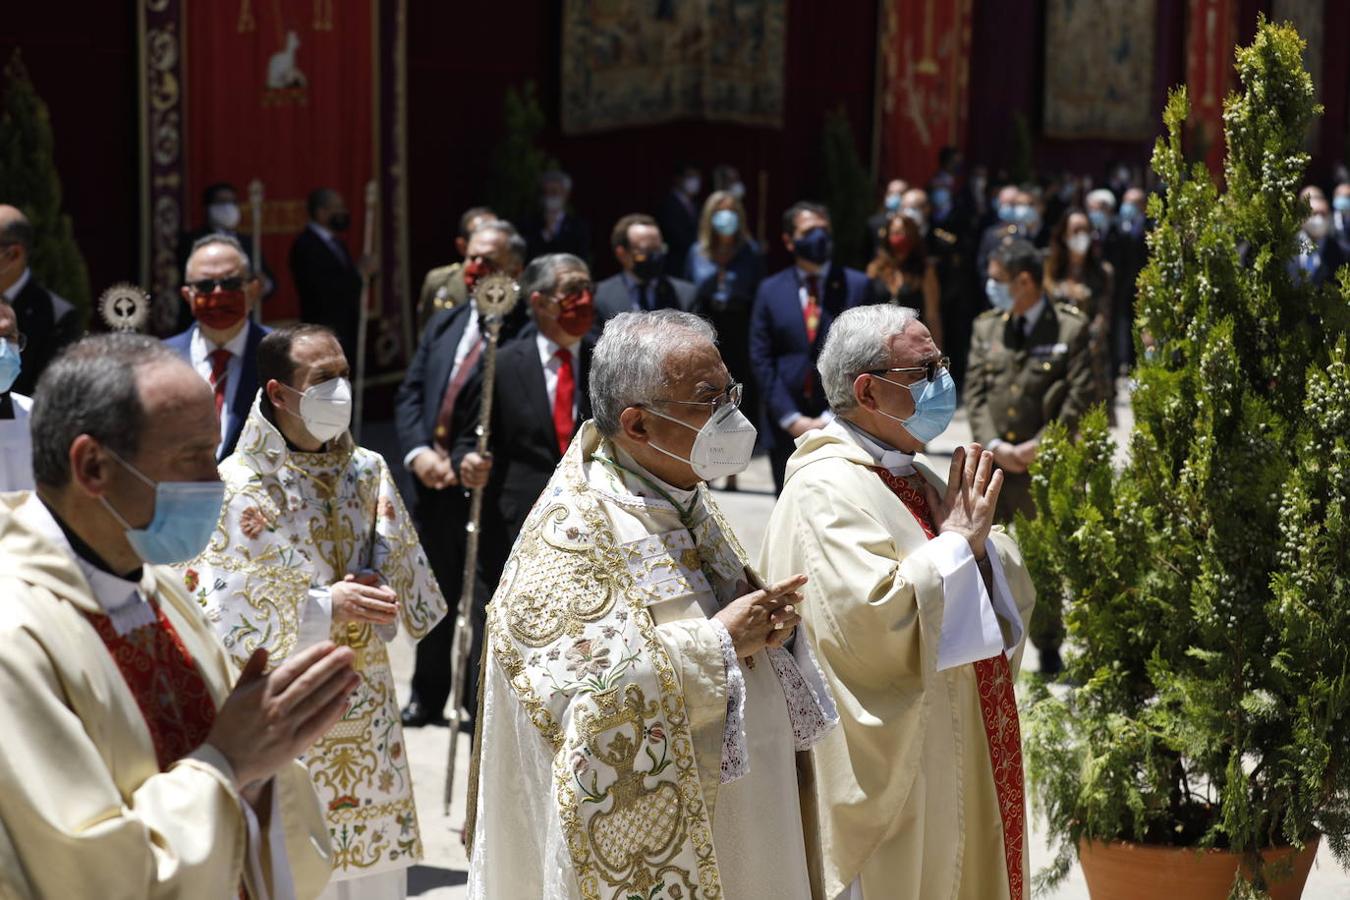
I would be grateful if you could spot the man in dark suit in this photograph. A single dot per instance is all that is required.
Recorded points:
(555, 229)
(643, 284)
(788, 324)
(48, 321)
(327, 279)
(540, 399)
(222, 343)
(678, 215)
(425, 415)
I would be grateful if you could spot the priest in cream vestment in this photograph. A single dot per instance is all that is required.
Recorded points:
(131, 764)
(314, 542)
(917, 610)
(642, 720)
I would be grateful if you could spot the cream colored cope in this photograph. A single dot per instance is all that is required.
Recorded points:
(907, 799)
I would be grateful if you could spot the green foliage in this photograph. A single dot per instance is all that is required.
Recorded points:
(29, 181)
(846, 188)
(518, 162)
(1209, 579)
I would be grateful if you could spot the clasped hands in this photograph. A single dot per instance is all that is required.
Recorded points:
(763, 618)
(967, 508)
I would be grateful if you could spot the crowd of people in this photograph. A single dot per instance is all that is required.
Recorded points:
(206, 570)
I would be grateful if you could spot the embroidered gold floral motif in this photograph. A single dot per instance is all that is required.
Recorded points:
(561, 595)
(550, 600)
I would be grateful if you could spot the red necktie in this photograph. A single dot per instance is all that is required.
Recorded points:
(447, 413)
(811, 312)
(220, 364)
(562, 399)
(811, 315)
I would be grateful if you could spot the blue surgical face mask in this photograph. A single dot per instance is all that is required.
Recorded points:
(815, 246)
(1341, 204)
(1100, 219)
(1129, 211)
(1007, 212)
(725, 222)
(892, 203)
(934, 406)
(1000, 294)
(186, 512)
(10, 365)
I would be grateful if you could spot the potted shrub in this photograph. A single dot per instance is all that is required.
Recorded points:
(1208, 580)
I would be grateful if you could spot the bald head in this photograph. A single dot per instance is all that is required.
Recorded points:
(16, 242)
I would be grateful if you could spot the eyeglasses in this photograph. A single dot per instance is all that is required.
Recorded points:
(17, 340)
(209, 285)
(730, 398)
(929, 369)
(573, 289)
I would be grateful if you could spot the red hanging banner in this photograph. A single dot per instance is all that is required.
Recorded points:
(285, 93)
(924, 56)
(1211, 35)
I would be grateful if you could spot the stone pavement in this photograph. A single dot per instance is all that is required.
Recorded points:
(443, 872)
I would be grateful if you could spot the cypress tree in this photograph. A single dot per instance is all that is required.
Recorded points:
(1208, 580)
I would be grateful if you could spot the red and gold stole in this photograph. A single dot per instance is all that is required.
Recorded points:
(998, 712)
(171, 693)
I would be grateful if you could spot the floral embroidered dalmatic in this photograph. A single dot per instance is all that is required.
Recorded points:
(293, 525)
(624, 751)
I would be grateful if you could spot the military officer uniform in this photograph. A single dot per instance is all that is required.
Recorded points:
(1018, 383)
(443, 288)
(1025, 372)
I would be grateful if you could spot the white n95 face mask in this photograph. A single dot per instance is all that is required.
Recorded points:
(723, 447)
(326, 409)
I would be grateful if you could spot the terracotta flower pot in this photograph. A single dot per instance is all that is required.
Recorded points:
(1123, 871)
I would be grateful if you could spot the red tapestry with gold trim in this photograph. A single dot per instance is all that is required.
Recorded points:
(1211, 36)
(295, 94)
(924, 53)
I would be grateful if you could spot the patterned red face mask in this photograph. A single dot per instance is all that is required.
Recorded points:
(219, 309)
(899, 244)
(476, 270)
(578, 313)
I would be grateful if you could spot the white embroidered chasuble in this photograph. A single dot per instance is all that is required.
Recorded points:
(293, 525)
(624, 749)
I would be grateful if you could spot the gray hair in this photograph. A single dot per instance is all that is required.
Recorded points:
(858, 342)
(1102, 196)
(226, 240)
(515, 244)
(91, 389)
(628, 366)
(542, 273)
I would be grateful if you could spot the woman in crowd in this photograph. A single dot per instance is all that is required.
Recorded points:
(902, 274)
(726, 266)
(1076, 273)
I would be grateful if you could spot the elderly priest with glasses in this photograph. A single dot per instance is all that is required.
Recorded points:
(642, 716)
(916, 608)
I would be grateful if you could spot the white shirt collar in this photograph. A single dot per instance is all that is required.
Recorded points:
(897, 462)
(549, 348)
(202, 345)
(122, 599)
(14, 289)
